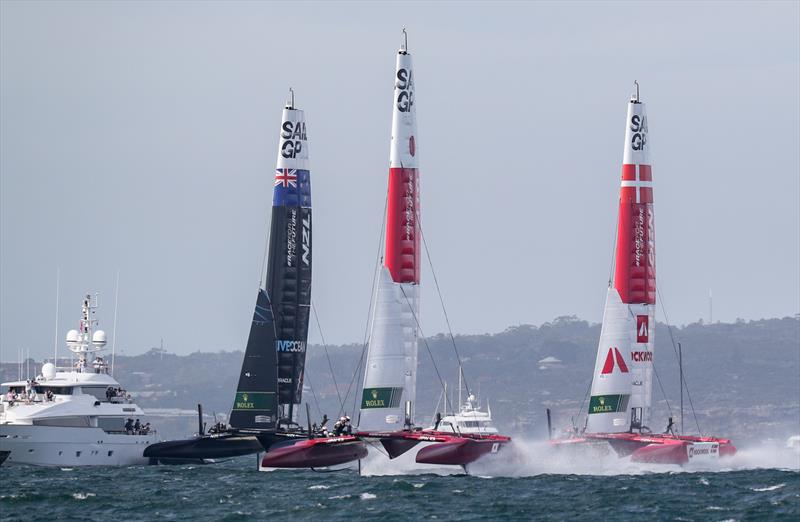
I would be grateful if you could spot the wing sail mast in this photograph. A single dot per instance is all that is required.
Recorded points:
(271, 381)
(390, 373)
(623, 374)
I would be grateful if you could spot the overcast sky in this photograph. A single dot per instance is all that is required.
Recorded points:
(141, 138)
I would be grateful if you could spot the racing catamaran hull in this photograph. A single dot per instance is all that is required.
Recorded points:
(314, 453)
(440, 448)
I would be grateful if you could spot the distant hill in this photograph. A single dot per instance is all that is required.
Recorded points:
(744, 377)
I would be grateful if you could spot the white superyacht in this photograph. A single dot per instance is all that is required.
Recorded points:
(73, 416)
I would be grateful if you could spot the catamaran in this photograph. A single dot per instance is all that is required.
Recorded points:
(621, 391)
(270, 385)
(390, 375)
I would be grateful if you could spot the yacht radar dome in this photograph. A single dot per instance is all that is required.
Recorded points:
(72, 337)
(99, 338)
(49, 371)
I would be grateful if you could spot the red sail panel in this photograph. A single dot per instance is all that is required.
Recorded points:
(635, 270)
(402, 232)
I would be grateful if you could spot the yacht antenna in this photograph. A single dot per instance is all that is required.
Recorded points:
(680, 368)
(114, 328)
(637, 90)
(460, 370)
(445, 399)
(55, 335)
(405, 40)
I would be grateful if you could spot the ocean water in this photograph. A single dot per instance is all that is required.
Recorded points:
(235, 490)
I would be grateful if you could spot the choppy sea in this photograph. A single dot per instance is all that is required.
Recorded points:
(235, 490)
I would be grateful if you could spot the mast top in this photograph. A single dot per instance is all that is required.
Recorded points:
(404, 47)
(290, 101)
(635, 97)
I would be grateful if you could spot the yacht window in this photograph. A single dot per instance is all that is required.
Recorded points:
(110, 452)
(99, 392)
(57, 390)
(445, 423)
(77, 453)
(111, 424)
(69, 422)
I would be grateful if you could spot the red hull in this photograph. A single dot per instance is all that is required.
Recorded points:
(657, 448)
(315, 453)
(458, 452)
(450, 450)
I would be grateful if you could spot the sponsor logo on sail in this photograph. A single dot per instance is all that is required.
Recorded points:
(306, 240)
(381, 397)
(642, 328)
(290, 346)
(614, 355)
(404, 87)
(253, 401)
(642, 356)
(608, 403)
(291, 236)
(293, 134)
(639, 128)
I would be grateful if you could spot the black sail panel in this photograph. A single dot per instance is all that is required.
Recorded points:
(289, 278)
(256, 405)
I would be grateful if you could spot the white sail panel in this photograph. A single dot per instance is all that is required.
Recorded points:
(611, 384)
(390, 373)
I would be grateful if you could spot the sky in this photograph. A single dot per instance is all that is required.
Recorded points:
(140, 139)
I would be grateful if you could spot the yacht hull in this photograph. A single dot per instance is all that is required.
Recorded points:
(66, 446)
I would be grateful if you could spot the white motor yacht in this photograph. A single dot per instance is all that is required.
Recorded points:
(73, 416)
(469, 419)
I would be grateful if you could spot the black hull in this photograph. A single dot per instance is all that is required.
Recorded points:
(3, 456)
(203, 448)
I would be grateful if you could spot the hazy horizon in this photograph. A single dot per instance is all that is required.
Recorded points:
(141, 138)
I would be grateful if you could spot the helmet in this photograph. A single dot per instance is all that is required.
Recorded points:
(346, 418)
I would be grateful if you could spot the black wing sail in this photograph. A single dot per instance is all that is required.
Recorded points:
(289, 261)
(256, 405)
(289, 278)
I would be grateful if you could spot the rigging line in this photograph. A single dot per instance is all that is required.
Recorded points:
(358, 369)
(662, 389)
(327, 355)
(613, 254)
(427, 347)
(262, 274)
(313, 394)
(585, 395)
(675, 349)
(441, 300)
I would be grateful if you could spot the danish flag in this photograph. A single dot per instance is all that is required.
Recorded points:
(286, 177)
(640, 179)
(608, 367)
